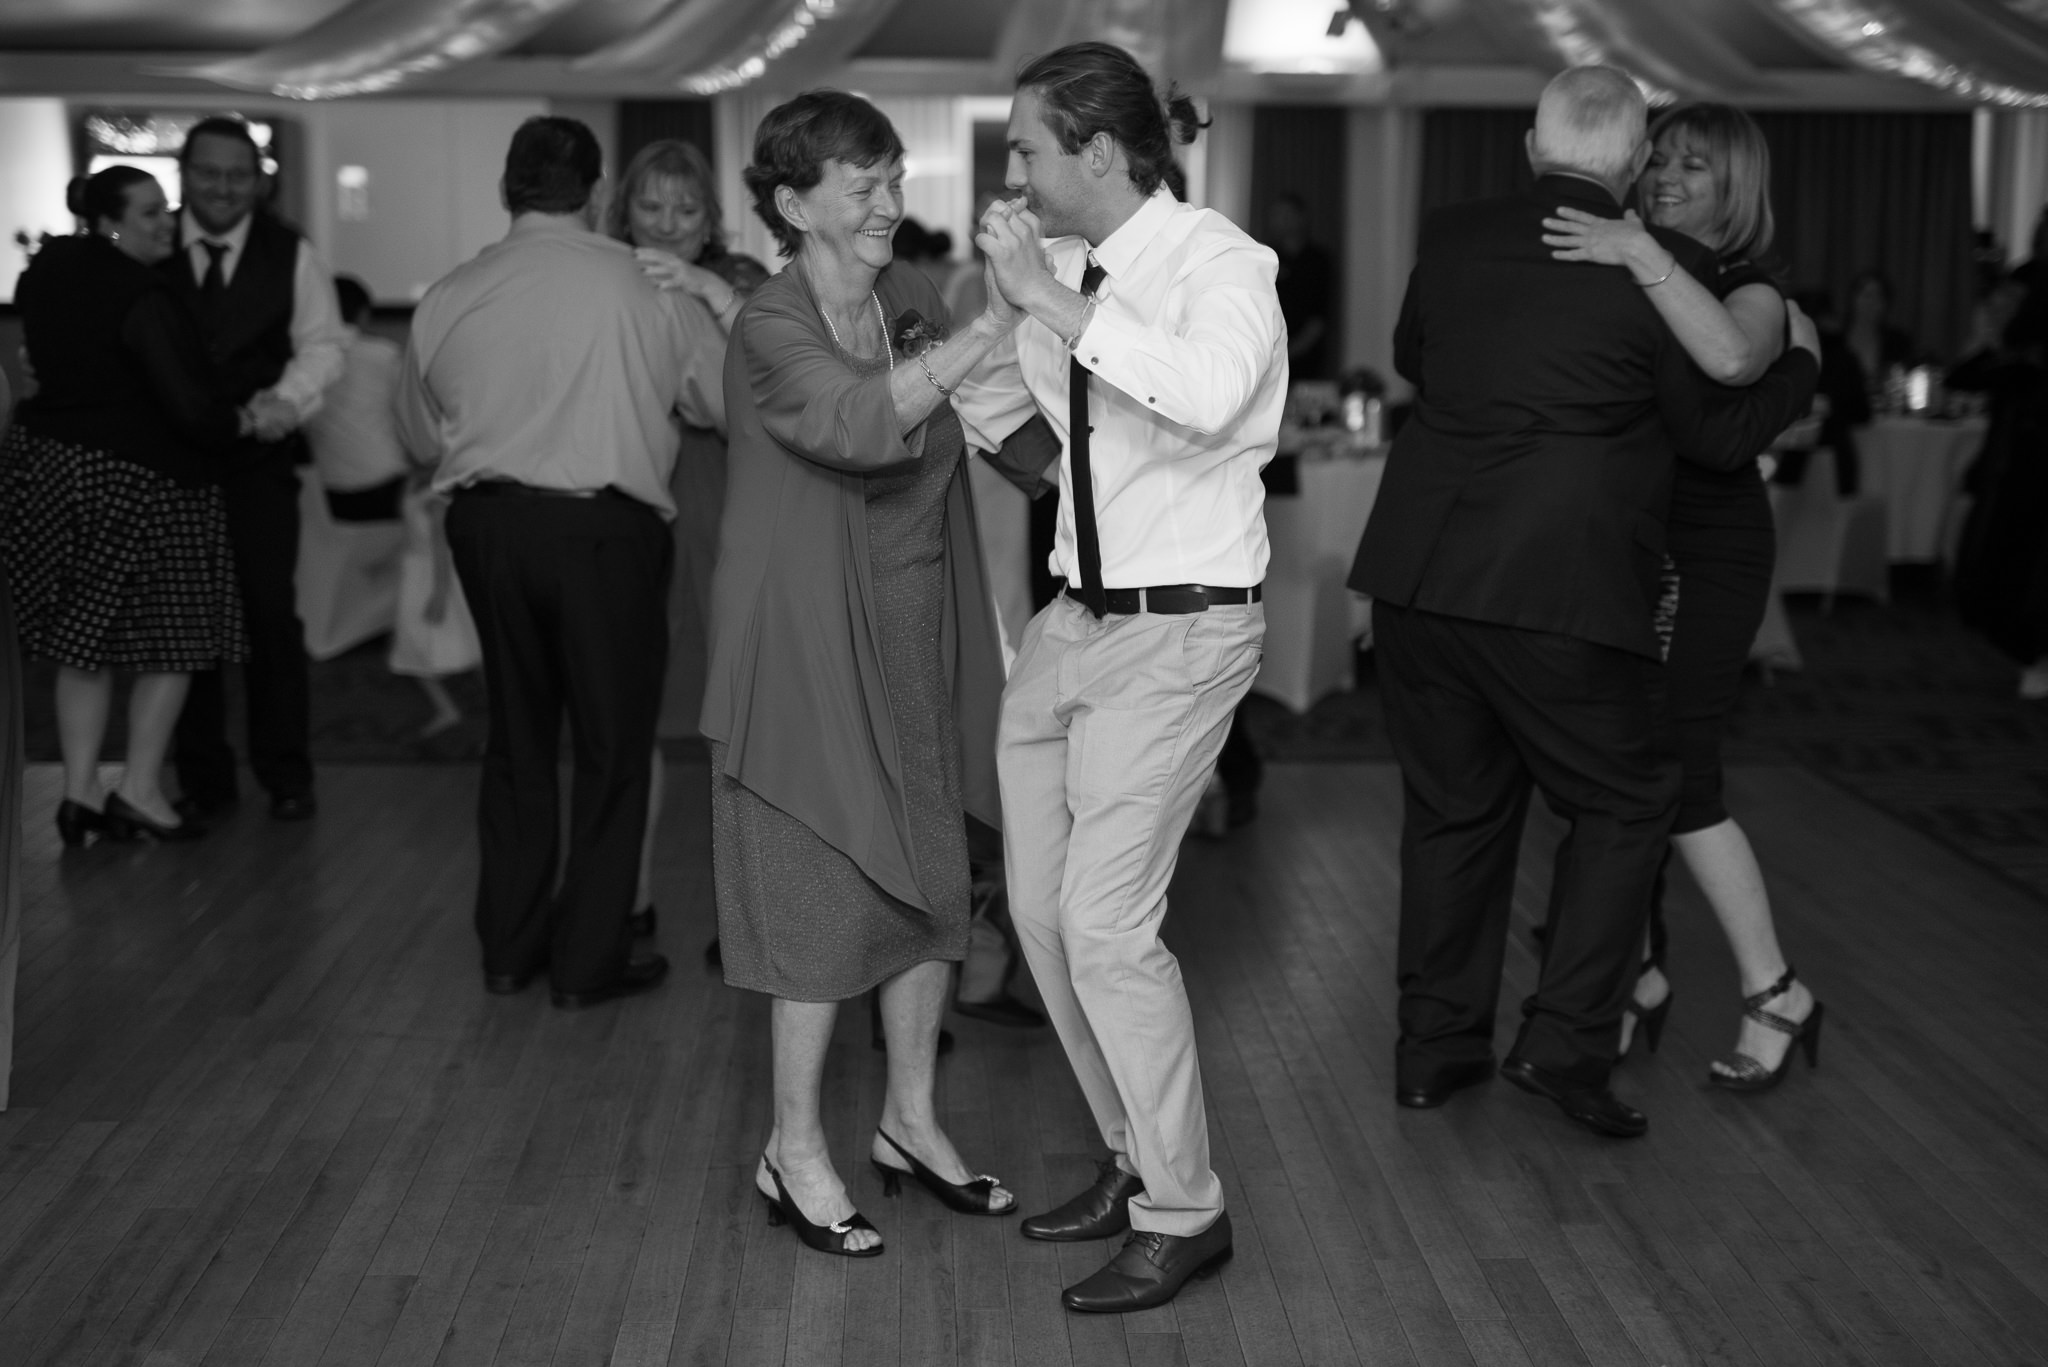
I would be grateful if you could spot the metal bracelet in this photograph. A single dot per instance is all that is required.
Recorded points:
(925, 366)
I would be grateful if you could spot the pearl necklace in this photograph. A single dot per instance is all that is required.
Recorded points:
(880, 317)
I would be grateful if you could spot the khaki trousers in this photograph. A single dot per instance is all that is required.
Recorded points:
(1110, 731)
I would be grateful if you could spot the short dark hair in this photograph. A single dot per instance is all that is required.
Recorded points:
(799, 136)
(104, 194)
(353, 296)
(551, 166)
(1091, 88)
(224, 126)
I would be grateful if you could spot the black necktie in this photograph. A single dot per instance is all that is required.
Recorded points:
(1087, 542)
(216, 282)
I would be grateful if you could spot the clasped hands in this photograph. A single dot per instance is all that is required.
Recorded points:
(1018, 274)
(268, 417)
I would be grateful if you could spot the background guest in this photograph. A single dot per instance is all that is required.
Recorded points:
(1307, 287)
(353, 436)
(2001, 573)
(267, 311)
(854, 664)
(10, 796)
(667, 207)
(558, 530)
(111, 515)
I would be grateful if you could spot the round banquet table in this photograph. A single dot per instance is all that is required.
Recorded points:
(1312, 619)
(1916, 466)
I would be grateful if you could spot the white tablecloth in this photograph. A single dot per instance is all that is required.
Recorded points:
(1916, 466)
(1312, 619)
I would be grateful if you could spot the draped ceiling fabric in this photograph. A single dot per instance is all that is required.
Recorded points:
(1987, 51)
(376, 45)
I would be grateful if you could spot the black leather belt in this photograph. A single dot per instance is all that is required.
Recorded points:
(1175, 598)
(504, 487)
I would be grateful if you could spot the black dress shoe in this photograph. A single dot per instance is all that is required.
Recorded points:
(1150, 1269)
(1597, 1108)
(714, 957)
(640, 975)
(643, 922)
(292, 807)
(1454, 1078)
(1002, 1009)
(1103, 1211)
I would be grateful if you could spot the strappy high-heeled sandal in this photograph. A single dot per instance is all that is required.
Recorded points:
(783, 1210)
(1749, 1074)
(976, 1197)
(1649, 1019)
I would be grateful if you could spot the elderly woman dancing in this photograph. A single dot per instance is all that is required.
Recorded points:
(854, 676)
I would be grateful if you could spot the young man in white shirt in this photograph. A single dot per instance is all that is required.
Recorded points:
(1156, 350)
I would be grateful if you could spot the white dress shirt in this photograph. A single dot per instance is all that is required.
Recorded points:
(354, 436)
(319, 338)
(1188, 354)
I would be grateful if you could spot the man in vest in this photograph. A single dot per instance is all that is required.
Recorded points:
(269, 313)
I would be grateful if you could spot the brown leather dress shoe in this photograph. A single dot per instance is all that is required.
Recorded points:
(1103, 1211)
(1150, 1270)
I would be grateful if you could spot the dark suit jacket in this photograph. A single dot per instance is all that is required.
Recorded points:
(1530, 486)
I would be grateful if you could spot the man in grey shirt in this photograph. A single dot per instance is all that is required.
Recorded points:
(544, 378)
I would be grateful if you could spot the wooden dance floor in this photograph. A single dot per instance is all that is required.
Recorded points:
(266, 1114)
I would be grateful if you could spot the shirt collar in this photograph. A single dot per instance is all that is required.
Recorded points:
(1121, 250)
(236, 237)
(558, 225)
(1581, 189)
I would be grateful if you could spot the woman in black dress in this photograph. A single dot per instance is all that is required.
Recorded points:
(1709, 178)
(111, 522)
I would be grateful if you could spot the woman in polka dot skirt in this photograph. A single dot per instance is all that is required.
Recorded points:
(111, 521)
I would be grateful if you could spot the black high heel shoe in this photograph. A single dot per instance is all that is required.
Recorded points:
(1749, 1074)
(77, 823)
(782, 1210)
(125, 822)
(1649, 1019)
(976, 1197)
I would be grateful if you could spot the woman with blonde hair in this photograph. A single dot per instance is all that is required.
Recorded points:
(667, 208)
(1709, 177)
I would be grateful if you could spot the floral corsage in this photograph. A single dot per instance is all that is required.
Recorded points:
(916, 336)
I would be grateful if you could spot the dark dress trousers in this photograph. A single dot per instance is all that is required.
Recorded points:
(570, 596)
(1513, 557)
(248, 331)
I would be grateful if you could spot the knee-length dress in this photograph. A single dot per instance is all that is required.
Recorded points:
(797, 918)
(112, 525)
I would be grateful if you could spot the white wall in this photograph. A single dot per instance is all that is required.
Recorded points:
(35, 166)
(433, 186)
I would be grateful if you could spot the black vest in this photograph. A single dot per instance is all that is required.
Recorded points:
(249, 328)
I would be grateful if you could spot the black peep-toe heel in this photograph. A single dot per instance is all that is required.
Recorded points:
(975, 1197)
(782, 1210)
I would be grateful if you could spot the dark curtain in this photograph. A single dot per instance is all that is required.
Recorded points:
(645, 121)
(1301, 149)
(1473, 154)
(1885, 192)
(1852, 192)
